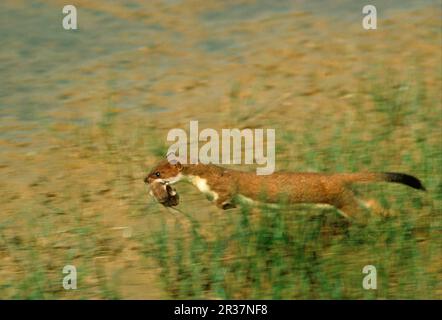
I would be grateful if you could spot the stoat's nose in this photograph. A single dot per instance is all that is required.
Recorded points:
(146, 180)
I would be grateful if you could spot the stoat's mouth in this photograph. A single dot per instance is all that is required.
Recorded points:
(175, 179)
(162, 181)
(169, 181)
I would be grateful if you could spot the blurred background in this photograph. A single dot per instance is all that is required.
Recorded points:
(84, 115)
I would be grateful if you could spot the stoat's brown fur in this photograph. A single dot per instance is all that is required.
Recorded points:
(224, 184)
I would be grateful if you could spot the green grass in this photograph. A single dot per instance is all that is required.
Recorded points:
(282, 254)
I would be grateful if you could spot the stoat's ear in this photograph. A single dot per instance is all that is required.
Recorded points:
(173, 160)
(179, 166)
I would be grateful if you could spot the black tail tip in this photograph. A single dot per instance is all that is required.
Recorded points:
(405, 179)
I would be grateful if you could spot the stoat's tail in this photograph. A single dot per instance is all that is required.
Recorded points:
(385, 176)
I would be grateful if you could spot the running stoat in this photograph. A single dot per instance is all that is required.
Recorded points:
(222, 185)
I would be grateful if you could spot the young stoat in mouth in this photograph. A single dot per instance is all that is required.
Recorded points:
(164, 193)
(223, 185)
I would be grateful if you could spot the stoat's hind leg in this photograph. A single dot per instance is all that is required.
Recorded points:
(375, 207)
(350, 208)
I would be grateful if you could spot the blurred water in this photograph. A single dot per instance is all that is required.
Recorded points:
(40, 60)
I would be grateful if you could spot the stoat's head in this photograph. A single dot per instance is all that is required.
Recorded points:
(165, 171)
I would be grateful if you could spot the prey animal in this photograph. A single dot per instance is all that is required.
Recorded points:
(164, 193)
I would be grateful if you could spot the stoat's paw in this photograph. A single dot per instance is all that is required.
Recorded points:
(227, 205)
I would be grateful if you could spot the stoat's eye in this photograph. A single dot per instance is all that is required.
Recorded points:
(157, 174)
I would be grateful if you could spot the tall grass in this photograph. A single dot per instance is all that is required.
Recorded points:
(282, 254)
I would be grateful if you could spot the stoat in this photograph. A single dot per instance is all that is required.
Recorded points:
(222, 185)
